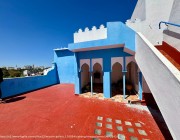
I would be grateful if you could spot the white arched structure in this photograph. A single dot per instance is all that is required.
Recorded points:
(132, 74)
(84, 61)
(99, 61)
(97, 78)
(116, 73)
(85, 76)
(97, 68)
(129, 60)
(116, 59)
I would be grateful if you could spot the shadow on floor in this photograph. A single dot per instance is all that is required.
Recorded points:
(14, 99)
(155, 112)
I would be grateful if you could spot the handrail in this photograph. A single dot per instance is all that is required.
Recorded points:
(166, 23)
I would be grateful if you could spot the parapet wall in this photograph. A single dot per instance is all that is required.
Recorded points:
(89, 35)
(16, 86)
(146, 18)
(172, 34)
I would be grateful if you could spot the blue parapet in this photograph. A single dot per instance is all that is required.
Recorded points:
(117, 33)
(65, 61)
(16, 86)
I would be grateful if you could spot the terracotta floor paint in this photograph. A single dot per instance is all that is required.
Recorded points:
(170, 53)
(56, 111)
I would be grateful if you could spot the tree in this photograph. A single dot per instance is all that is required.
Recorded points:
(5, 73)
(15, 73)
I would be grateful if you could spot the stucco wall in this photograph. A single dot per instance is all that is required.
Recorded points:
(89, 35)
(117, 33)
(145, 86)
(15, 86)
(105, 54)
(65, 61)
(140, 10)
(163, 80)
(155, 11)
(172, 35)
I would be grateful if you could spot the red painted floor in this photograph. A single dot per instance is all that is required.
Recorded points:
(172, 54)
(56, 113)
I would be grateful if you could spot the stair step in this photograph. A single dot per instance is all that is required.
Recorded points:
(170, 53)
(170, 59)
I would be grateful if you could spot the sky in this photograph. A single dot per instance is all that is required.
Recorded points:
(31, 29)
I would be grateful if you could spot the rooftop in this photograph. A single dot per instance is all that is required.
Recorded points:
(56, 111)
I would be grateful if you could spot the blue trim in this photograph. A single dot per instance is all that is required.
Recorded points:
(91, 71)
(124, 64)
(124, 85)
(107, 84)
(140, 85)
(91, 83)
(77, 75)
(173, 24)
(91, 67)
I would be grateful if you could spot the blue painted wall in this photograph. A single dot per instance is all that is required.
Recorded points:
(68, 61)
(106, 55)
(117, 33)
(65, 61)
(15, 86)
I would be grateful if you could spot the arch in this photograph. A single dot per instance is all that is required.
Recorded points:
(116, 72)
(97, 60)
(116, 59)
(132, 75)
(85, 78)
(97, 65)
(84, 61)
(85, 65)
(116, 79)
(97, 78)
(129, 60)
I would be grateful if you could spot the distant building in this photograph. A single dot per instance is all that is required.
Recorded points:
(10, 68)
(26, 73)
(28, 67)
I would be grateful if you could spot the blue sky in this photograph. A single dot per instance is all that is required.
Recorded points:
(31, 29)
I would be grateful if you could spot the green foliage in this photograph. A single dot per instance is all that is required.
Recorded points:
(11, 73)
(14, 73)
(5, 73)
(19, 72)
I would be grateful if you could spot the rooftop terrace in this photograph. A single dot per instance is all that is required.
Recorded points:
(56, 112)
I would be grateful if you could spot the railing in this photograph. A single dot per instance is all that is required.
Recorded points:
(166, 23)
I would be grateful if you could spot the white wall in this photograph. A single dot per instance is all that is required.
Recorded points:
(145, 86)
(155, 11)
(89, 35)
(172, 35)
(163, 79)
(139, 11)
